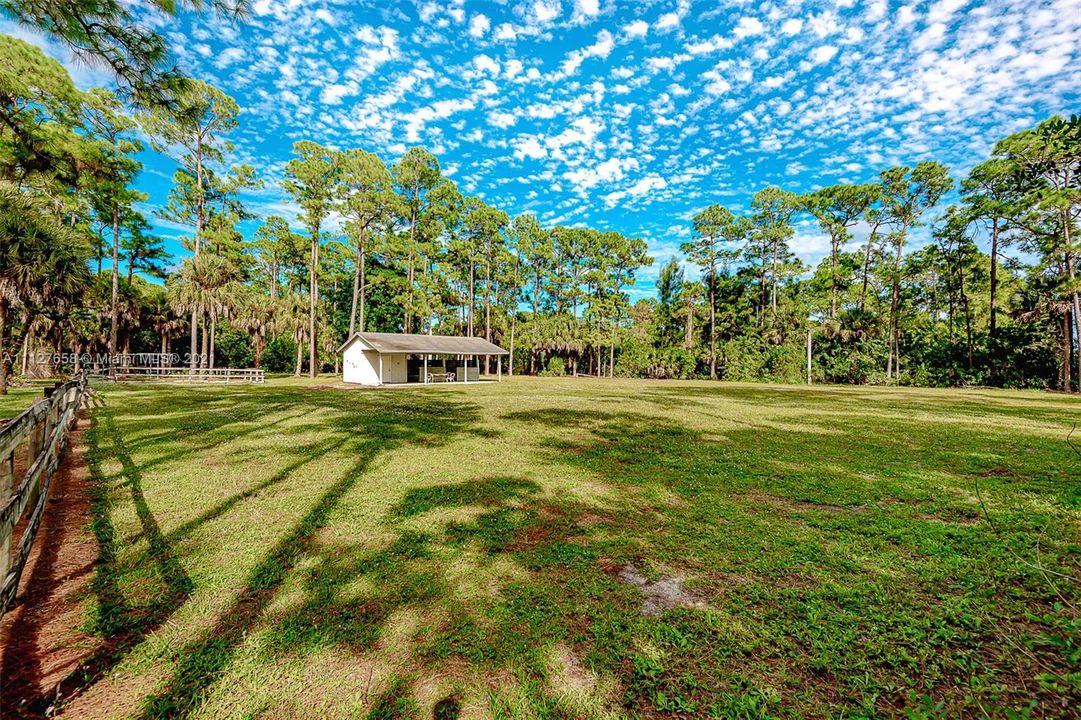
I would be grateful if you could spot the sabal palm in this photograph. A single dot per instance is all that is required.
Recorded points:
(256, 314)
(42, 265)
(204, 287)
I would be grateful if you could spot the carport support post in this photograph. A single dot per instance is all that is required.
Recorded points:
(380, 368)
(499, 368)
(425, 380)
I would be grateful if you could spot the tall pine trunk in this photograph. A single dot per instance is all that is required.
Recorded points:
(833, 275)
(472, 295)
(199, 209)
(409, 268)
(204, 357)
(488, 312)
(894, 362)
(536, 305)
(992, 328)
(1073, 294)
(773, 281)
(867, 266)
(5, 361)
(363, 284)
(116, 291)
(1067, 358)
(356, 292)
(313, 293)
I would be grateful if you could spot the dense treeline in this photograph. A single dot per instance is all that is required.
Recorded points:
(400, 248)
(945, 313)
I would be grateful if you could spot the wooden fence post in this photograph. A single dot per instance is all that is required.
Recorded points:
(7, 476)
(34, 442)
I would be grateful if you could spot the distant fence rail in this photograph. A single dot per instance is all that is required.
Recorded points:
(43, 431)
(182, 374)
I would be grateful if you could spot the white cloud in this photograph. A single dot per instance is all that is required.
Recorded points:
(586, 9)
(710, 45)
(543, 12)
(333, 94)
(379, 46)
(528, 147)
(792, 26)
(636, 29)
(601, 49)
(611, 170)
(582, 131)
(823, 54)
(485, 64)
(671, 20)
(748, 27)
(876, 10)
(717, 85)
(642, 187)
(502, 120)
(479, 25)
(229, 56)
(648, 183)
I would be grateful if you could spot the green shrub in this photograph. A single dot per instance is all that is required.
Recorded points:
(280, 355)
(233, 348)
(556, 367)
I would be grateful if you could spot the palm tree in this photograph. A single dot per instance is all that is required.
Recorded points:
(690, 295)
(292, 316)
(164, 321)
(224, 299)
(256, 314)
(81, 330)
(201, 290)
(42, 265)
(562, 335)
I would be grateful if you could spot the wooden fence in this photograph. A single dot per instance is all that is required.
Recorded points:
(185, 375)
(42, 431)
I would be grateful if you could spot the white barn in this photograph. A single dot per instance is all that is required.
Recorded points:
(399, 358)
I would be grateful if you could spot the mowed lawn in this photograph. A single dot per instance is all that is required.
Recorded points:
(560, 548)
(17, 400)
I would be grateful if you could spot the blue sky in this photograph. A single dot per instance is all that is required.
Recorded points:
(632, 116)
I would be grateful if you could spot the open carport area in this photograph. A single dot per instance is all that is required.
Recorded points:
(401, 358)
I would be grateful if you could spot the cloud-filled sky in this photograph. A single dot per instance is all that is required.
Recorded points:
(634, 115)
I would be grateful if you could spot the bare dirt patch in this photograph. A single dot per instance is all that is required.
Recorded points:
(784, 503)
(40, 639)
(969, 519)
(997, 472)
(664, 594)
(569, 673)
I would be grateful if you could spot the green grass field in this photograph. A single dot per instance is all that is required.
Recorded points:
(17, 400)
(580, 548)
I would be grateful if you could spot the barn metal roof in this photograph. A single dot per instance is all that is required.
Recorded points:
(386, 343)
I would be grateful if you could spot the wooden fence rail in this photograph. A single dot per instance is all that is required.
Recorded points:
(43, 431)
(183, 374)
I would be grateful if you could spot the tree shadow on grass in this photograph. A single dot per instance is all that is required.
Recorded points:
(124, 620)
(879, 401)
(471, 492)
(120, 622)
(365, 435)
(411, 573)
(854, 532)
